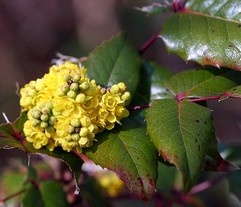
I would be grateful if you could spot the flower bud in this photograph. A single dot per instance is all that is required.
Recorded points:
(76, 78)
(74, 86)
(39, 85)
(66, 77)
(44, 117)
(83, 140)
(31, 92)
(84, 132)
(52, 120)
(50, 129)
(65, 88)
(70, 129)
(75, 122)
(35, 122)
(45, 110)
(36, 114)
(85, 121)
(75, 137)
(43, 124)
(71, 94)
(80, 98)
(114, 89)
(126, 96)
(84, 86)
(122, 86)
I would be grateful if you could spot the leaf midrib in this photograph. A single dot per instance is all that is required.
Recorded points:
(210, 16)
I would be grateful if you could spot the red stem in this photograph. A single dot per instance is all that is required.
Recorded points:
(12, 196)
(148, 43)
(81, 156)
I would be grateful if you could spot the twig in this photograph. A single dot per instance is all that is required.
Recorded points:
(148, 43)
(12, 196)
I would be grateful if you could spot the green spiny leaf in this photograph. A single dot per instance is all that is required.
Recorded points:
(201, 83)
(181, 132)
(115, 61)
(205, 39)
(131, 155)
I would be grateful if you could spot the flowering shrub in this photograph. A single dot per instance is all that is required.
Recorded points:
(67, 109)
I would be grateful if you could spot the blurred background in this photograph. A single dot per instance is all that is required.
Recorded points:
(31, 32)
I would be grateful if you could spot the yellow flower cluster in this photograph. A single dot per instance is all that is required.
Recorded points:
(67, 109)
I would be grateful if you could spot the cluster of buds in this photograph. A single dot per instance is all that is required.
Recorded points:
(67, 109)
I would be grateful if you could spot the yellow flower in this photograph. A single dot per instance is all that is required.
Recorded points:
(67, 109)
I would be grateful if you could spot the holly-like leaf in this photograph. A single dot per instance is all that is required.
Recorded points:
(226, 9)
(131, 155)
(115, 61)
(181, 131)
(234, 92)
(202, 83)
(208, 36)
(53, 194)
(11, 136)
(159, 75)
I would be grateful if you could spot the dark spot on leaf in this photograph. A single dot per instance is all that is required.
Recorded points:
(234, 89)
(198, 134)
(198, 147)
(239, 25)
(197, 120)
(196, 140)
(230, 45)
(212, 30)
(205, 122)
(138, 158)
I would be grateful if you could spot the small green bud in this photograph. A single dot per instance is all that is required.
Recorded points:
(44, 117)
(32, 84)
(65, 88)
(126, 96)
(75, 122)
(114, 89)
(74, 86)
(71, 94)
(122, 86)
(32, 92)
(70, 129)
(45, 110)
(75, 137)
(56, 113)
(43, 124)
(76, 78)
(84, 86)
(80, 98)
(84, 132)
(35, 122)
(36, 114)
(49, 105)
(52, 120)
(66, 77)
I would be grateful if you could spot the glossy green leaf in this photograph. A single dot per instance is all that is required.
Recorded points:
(226, 9)
(115, 61)
(234, 92)
(181, 132)
(205, 39)
(11, 136)
(131, 155)
(201, 83)
(158, 76)
(53, 194)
